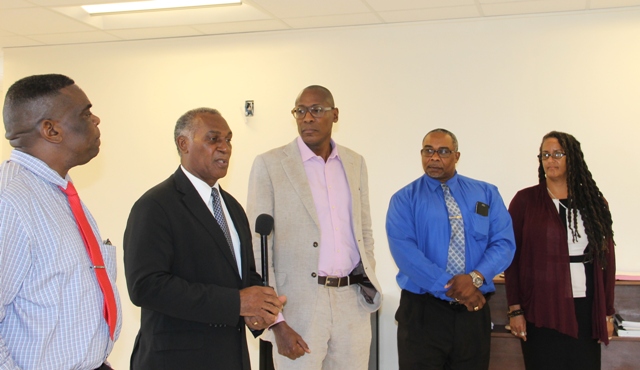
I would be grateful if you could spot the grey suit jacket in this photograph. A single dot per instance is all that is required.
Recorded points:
(278, 186)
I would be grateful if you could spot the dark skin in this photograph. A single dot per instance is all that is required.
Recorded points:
(460, 287)
(290, 343)
(556, 173)
(316, 134)
(205, 152)
(66, 137)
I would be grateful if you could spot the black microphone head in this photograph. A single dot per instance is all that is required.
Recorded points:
(264, 224)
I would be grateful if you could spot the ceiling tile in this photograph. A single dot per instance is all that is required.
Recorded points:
(457, 12)
(240, 27)
(386, 5)
(503, 1)
(311, 8)
(529, 7)
(16, 41)
(75, 2)
(74, 38)
(597, 4)
(12, 4)
(155, 32)
(39, 21)
(333, 20)
(182, 17)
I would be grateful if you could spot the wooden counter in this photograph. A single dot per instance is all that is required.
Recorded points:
(621, 354)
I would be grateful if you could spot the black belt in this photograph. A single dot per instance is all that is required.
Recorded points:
(335, 281)
(454, 305)
(104, 367)
(582, 258)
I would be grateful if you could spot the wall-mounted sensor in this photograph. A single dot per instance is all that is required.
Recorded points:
(248, 108)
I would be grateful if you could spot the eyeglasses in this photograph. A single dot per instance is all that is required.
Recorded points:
(556, 155)
(442, 152)
(317, 111)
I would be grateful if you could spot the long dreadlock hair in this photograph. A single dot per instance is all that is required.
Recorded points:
(584, 197)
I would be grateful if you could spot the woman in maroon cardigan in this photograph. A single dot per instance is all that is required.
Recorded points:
(561, 281)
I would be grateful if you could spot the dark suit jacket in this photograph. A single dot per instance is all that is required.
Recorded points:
(180, 271)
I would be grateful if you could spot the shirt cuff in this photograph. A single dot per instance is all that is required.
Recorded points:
(279, 319)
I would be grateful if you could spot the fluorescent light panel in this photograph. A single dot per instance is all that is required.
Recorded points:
(137, 6)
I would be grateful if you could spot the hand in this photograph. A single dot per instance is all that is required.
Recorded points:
(259, 301)
(256, 322)
(518, 326)
(290, 344)
(461, 288)
(609, 330)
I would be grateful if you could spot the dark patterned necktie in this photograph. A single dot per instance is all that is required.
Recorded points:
(222, 221)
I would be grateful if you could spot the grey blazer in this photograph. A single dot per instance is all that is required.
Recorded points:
(278, 186)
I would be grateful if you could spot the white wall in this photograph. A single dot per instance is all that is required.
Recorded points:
(500, 84)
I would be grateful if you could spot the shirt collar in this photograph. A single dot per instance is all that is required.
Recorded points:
(203, 189)
(307, 153)
(39, 168)
(435, 183)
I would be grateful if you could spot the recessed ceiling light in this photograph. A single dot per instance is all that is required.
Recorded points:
(138, 6)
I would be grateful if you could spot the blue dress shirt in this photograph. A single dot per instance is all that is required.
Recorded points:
(51, 306)
(418, 230)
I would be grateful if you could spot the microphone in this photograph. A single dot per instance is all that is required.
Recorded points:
(264, 225)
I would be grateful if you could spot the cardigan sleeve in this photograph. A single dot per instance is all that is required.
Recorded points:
(517, 209)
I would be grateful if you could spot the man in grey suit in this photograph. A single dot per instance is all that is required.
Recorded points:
(322, 246)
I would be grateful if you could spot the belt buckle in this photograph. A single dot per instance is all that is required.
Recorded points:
(327, 282)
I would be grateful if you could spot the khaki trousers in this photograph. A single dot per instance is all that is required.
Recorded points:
(339, 336)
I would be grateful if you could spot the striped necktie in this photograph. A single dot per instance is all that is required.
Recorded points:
(222, 221)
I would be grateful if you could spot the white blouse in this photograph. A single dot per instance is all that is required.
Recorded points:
(577, 248)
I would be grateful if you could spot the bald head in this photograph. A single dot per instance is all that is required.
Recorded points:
(319, 90)
(28, 102)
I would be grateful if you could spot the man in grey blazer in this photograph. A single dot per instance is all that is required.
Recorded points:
(322, 246)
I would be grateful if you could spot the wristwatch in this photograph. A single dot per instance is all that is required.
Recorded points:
(477, 280)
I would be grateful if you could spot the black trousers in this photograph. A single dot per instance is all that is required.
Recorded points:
(436, 335)
(548, 349)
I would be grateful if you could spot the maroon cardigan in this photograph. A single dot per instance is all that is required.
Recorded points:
(539, 278)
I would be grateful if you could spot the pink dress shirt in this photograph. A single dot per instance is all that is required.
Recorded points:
(332, 198)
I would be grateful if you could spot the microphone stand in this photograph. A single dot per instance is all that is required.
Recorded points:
(266, 348)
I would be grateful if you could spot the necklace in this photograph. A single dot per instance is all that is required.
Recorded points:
(559, 202)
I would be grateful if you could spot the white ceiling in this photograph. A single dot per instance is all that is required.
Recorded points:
(54, 22)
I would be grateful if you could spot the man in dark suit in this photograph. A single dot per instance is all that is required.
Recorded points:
(189, 261)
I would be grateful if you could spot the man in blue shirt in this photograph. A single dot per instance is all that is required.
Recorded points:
(449, 235)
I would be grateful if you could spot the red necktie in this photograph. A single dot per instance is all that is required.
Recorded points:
(93, 249)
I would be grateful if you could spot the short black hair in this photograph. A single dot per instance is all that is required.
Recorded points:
(34, 87)
(446, 132)
(25, 91)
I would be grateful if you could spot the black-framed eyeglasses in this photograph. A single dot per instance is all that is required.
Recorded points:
(315, 110)
(556, 155)
(442, 152)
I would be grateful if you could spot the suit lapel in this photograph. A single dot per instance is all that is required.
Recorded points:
(353, 178)
(293, 167)
(239, 224)
(200, 211)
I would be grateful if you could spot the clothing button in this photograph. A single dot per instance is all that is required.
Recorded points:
(315, 244)
(313, 274)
